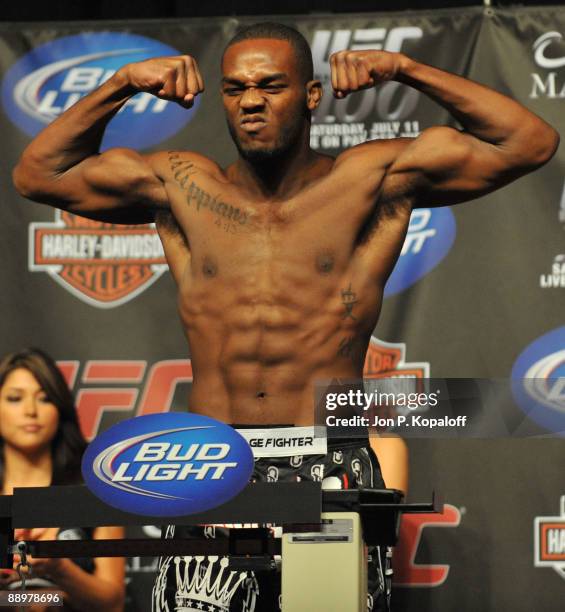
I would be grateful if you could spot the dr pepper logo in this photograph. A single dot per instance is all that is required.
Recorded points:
(102, 264)
(388, 360)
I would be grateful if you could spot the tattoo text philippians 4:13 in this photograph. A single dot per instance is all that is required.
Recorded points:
(228, 217)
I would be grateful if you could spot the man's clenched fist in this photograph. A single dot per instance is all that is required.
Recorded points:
(356, 70)
(171, 78)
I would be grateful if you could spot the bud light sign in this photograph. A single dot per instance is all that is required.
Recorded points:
(538, 380)
(167, 464)
(52, 77)
(430, 236)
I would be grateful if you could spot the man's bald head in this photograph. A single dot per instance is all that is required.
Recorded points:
(279, 31)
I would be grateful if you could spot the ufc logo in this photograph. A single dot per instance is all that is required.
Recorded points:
(134, 391)
(408, 573)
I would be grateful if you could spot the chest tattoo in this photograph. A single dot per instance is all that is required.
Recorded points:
(228, 217)
(349, 301)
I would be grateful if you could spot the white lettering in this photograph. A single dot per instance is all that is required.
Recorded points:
(207, 450)
(163, 471)
(152, 451)
(547, 88)
(556, 541)
(141, 472)
(419, 219)
(415, 241)
(200, 472)
(120, 476)
(175, 455)
(82, 79)
(146, 246)
(397, 36)
(47, 104)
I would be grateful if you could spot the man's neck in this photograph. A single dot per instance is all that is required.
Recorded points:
(280, 177)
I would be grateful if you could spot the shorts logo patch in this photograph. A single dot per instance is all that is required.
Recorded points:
(317, 472)
(357, 469)
(296, 461)
(272, 473)
(203, 583)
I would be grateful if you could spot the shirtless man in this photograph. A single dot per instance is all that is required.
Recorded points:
(282, 257)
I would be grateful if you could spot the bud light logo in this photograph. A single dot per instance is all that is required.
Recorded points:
(549, 60)
(167, 464)
(51, 78)
(430, 236)
(538, 380)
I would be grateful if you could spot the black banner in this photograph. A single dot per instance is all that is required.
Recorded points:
(478, 292)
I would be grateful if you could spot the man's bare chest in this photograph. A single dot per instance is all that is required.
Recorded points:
(282, 256)
(317, 229)
(212, 209)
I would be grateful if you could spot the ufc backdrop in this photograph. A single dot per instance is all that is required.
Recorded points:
(479, 290)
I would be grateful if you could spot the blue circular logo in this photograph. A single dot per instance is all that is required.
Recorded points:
(167, 464)
(52, 77)
(431, 234)
(538, 380)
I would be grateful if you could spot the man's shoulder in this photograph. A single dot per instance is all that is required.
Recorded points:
(371, 156)
(169, 163)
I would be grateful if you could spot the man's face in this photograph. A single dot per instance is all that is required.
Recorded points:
(264, 97)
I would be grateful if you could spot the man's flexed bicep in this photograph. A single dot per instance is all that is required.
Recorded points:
(63, 167)
(500, 141)
(119, 186)
(444, 166)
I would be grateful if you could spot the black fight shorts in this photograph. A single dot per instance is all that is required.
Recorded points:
(196, 584)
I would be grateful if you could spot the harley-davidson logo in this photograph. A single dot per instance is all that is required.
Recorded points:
(549, 541)
(102, 264)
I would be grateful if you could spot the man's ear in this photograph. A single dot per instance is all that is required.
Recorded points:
(313, 94)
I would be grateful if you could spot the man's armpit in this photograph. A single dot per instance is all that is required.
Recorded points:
(371, 164)
(168, 225)
(398, 193)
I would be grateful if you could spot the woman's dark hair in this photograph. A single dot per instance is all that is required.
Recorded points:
(68, 444)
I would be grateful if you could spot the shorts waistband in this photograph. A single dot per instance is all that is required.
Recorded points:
(289, 441)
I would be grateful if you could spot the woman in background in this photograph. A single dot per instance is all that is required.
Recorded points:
(392, 453)
(41, 445)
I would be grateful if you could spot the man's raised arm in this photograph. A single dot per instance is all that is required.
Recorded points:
(500, 141)
(63, 167)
